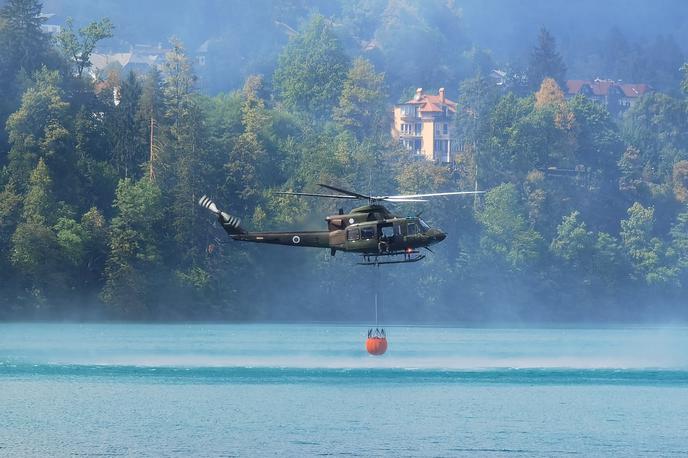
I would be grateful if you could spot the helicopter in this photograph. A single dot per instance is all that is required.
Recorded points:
(372, 231)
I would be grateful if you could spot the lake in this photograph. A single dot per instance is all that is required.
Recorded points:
(309, 390)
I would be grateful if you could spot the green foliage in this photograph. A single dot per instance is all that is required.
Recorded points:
(573, 242)
(657, 126)
(23, 43)
(127, 146)
(506, 233)
(362, 107)
(312, 69)
(38, 128)
(679, 240)
(645, 252)
(134, 248)
(78, 46)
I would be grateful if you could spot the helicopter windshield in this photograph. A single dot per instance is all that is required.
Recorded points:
(423, 225)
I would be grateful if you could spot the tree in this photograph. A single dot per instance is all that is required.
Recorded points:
(149, 116)
(679, 240)
(551, 97)
(23, 45)
(631, 171)
(78, 46)
(680, 179)
(248, 158)
(311, 70)
(38, 128)
(134, 251)
(35, 250)
(362, 107)
(127, 147)
(573, 242)
(645, 252)
(545, 61)
(506, 232)
(657, 126)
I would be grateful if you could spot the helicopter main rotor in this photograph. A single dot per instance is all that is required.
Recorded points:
(346, 194)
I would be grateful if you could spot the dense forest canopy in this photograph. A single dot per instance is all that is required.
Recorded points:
(100, 171)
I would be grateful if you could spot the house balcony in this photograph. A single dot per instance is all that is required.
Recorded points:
(410, 117)
(410, 135)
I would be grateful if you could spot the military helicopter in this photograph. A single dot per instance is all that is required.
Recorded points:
(378, 235)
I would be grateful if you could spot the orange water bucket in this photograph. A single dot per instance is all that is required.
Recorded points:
(376, 345)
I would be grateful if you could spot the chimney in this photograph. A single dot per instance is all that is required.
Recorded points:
(419, 93)
(442, 94)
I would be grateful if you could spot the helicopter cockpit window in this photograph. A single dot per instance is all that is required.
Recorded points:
(411, 229)
(353, 234)
(423, 226)
(367, 233)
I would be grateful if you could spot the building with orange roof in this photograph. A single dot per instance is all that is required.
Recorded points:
(422, 125)
(615, 95)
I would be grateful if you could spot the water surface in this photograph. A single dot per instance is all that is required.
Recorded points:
(295, 390)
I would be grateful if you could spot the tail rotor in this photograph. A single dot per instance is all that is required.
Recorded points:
(230, 223)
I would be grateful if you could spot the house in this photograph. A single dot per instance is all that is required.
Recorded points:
(140, 59)
(422, 125)
(50, 29)
(615, 95)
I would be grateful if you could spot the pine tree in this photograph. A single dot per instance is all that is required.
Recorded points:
(545, 61)
(127, 148)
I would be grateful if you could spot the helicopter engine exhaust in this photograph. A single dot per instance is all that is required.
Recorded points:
(231, 224)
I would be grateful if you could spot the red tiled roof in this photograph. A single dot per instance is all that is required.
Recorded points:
(433, 103)
(601, 87)
(574, 86)
(635, 90)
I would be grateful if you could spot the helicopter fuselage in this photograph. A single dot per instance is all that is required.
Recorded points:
(370, 230)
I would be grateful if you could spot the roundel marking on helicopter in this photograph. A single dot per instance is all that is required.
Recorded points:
(296, 239)
(351, 220)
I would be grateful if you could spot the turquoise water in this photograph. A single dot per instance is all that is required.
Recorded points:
(305, 390)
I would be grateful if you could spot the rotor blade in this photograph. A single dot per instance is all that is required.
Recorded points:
(310, 194)
(400, 200)
(344, 191)
(205, 202)
(434, 194)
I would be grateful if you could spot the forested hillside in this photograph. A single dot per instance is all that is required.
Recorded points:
(100, 178)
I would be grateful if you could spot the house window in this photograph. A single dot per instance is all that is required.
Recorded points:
(445, 128)
(419, 128)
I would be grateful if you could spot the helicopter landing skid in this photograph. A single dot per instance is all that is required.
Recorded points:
(409, 256)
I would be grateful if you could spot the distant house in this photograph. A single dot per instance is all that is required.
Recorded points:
(49, 26)
(615, 95)
(139, 59)
(422, 125)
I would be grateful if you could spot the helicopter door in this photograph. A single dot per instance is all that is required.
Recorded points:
(387, 232)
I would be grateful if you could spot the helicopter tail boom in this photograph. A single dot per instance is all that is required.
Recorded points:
(316, 239)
